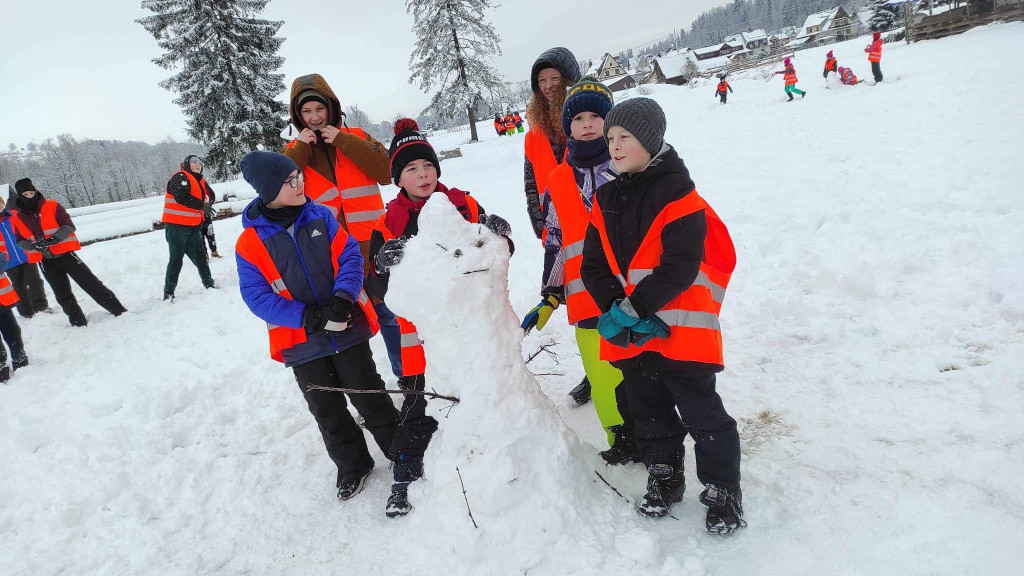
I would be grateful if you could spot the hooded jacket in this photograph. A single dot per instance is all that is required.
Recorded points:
(369, 155)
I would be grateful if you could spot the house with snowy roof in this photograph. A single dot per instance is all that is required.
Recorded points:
(825, 27)
(756, 41)
(672, 68)
(608, 67)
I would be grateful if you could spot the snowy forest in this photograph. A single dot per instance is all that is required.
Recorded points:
(87, 172)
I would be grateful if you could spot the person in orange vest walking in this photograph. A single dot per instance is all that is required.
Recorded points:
(9, 328)
(44, 228)
(186, 208)
(22, 267)
(569, 198)
(519, 122)
(657, 261)
(874, 51)
(415, 170)
(342, 166)
(790, 78)
(552, 74)
(722, 87)
(510, 124)
(302, 273)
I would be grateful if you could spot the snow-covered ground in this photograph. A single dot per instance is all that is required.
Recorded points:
(874, 334)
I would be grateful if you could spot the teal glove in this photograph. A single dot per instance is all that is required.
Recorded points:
(615, 325)
(648, 329)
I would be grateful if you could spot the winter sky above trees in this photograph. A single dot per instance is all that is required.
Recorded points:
(87, 71)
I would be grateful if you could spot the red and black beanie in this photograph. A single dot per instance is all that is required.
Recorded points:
(408, 145)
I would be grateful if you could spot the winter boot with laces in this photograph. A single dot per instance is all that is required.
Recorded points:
(5, 373)
(398, 502)
(725, 509)
(581, 393)
(665, 487)
(351, 487)
(18, 360)
(623, 450)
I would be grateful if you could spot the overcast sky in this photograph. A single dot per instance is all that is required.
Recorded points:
(84, 67)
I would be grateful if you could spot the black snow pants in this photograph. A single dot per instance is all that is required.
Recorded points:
(61, 270)
(29, 286)
(669, 400)
(352, 368)
(12, 336)
(876, 69)
(414, 431)
(724, 96)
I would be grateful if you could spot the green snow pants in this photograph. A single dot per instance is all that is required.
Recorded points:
(185, 241)
(791, 88)
(604, 379)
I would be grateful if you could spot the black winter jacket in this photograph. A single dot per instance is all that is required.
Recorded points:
(629, 206)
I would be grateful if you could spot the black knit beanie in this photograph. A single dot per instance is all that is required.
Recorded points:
(408, 145)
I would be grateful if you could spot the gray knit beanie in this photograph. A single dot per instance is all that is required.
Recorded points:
(641, 117)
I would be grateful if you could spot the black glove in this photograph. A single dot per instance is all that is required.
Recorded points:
(389, 255)
(313, 318)
(208, 210)
(496, 224)
(46, 243)
(339, 309)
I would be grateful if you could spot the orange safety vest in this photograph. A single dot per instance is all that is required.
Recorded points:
(574, 219)
(48, 221)
(538, 151)
(830, 64)
(723, 86)
(414, 362)
(849, 77)
(790, 76)
(34, 256)
(875, 51)
(509, 123)
(175, 213)
(8, 297)
(251, 248)
(359, 197)
(692, 317)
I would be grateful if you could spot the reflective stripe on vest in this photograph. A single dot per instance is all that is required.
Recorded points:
(8, 297)
(180, 214)
(414, 362)
(574, 219)
(34, 256)
(48, 222)
(876, 51)
(692, 317)
(250, 247)
(790, 76)
(359, 198)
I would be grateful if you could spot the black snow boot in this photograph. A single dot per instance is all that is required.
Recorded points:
(581, 393)
(398, 502)
(725, 509)
(665, 487)
(18, 360)
(169, 296)
(623, 450)
(804, 94)
(5, 373)
(351, 487)
(790, 97)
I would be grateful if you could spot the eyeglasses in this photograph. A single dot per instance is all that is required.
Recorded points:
(295, 180)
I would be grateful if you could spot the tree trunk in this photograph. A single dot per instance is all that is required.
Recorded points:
(462, 76)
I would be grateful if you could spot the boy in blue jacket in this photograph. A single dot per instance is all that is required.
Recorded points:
(301, 273)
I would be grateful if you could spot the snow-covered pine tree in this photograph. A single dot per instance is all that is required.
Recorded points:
(883, 16)
(227, 84)
(454, 46)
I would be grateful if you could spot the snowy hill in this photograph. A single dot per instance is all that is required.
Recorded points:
(874, 337)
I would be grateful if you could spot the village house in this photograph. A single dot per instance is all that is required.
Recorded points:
(825, 27)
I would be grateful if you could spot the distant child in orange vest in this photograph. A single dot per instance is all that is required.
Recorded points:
(722, 87)
(657, 261)
(831, 65)
(519, 122)
(510, 124)
(414, 169)
(302, 273)
(874, 52)
(47, 234)
(8, 323)
(499, 125)
(790, 78)
(847, 77)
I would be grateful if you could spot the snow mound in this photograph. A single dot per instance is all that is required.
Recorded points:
(521, 465)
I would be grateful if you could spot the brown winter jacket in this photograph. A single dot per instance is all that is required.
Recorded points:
(369, 155)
